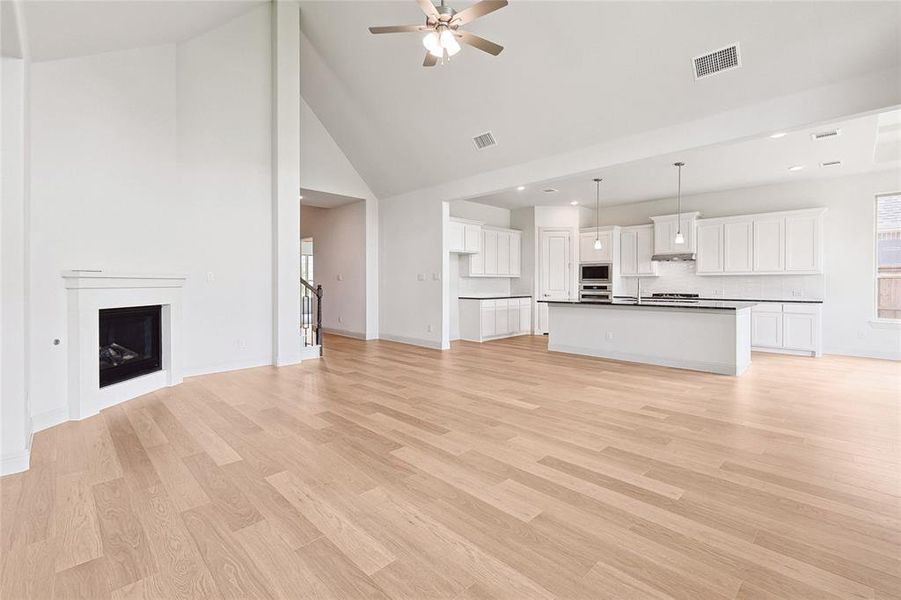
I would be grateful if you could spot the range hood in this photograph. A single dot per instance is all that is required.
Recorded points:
(683, 257)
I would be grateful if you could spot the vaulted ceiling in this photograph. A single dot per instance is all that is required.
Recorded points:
(67, 28)
(572, 74)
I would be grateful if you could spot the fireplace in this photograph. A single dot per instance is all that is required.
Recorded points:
(130, 343)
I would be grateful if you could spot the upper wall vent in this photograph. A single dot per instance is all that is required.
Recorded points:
(717, 61)
(484, 140)
(825, 135)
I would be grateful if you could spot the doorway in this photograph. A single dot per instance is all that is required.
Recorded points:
(554, 270)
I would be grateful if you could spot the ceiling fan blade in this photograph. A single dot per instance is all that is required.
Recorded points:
(428, 8)
(477, 10)
(397, 28)
(430, 60)
(479, 42)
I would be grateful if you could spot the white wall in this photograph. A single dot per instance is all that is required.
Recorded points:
(412, 269)
(158, 160)
(847, 287)
(339, 253)
(15, 417)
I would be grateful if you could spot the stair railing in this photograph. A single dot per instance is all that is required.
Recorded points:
(311, 313)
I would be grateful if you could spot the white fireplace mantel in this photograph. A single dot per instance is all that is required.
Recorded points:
(90, 291)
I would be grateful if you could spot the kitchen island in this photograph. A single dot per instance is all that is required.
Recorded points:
(707, 336)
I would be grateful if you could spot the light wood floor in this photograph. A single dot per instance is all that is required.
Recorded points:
(489, 471)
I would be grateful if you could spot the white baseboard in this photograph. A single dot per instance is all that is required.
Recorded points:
(865, 353)
(402, 339)
(344, 333)
(15, 462)
(49, 418)
(693, 365)
(236, 365)
(310, 353)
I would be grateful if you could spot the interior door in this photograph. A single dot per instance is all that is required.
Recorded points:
(555, 266)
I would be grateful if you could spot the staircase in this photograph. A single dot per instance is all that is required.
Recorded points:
(311, 318)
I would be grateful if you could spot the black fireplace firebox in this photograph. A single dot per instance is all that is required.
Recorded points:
(129, 343)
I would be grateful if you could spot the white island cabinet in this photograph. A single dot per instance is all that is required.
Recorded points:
(787, 327)
(706, 336)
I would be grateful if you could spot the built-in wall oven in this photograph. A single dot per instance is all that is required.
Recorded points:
(595, 282)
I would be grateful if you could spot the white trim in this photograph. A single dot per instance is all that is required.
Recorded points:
(49, 418)
(357, 335)
(885, 323)
(402, 339)
(694, 365)
(16, 462)
(310, 353)
(783, 351)
(223, 367)
(877, 354)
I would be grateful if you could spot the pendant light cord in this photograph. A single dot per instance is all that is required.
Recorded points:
(597, 209)
(679, 166)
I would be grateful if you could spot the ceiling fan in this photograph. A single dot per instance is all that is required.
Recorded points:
(443, 26)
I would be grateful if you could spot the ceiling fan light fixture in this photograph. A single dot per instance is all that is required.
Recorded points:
(432, 43)
(449, 42)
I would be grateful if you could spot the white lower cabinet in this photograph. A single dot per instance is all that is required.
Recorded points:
(484, 319)
(788, 327)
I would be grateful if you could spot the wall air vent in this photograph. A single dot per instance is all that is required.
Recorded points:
(717, 61)
(825, 135)
(484, 140)
(831, 163)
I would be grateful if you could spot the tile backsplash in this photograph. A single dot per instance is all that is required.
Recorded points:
(681, 277)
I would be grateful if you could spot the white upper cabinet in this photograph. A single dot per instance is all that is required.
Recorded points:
(587, 253)
(636, 249)
(764, 244)
(710, 247)
(738, 246)
(769, 244)
(802, 243)
(499, 254)
(665, 229)
(464, 237)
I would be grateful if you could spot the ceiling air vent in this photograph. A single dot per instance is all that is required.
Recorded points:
(484, 140)
(825, 135)
(717, 61)
(831, 163)
(550, 190)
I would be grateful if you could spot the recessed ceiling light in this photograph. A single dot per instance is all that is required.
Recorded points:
(520, 188)
(796, 167)
(778, 135)
(574, 203)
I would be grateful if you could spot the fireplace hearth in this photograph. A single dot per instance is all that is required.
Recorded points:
(130, 343)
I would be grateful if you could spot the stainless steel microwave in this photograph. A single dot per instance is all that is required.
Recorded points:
(595, 272)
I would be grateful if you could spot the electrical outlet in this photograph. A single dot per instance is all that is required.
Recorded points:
(436, 277)
(609, 336)
(340, 319)
(420, 276)
(240, 344)
(796, 293)
(210, 277)
(340, 277)
(428, 328)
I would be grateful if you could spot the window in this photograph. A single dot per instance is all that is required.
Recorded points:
(888, 256)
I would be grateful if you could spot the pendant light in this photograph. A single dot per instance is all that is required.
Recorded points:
(597, 204)
(679, 239)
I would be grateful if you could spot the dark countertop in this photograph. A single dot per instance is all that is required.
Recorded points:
(493, 297)
(754, 300)
(702, 304)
